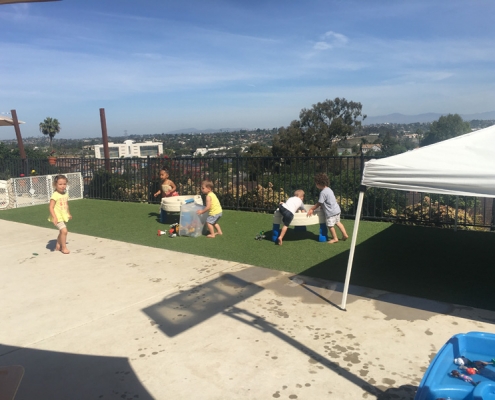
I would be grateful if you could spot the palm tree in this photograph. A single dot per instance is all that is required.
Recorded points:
(50, 127)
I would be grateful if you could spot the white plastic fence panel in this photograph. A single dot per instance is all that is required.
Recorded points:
(33, 190)
(4, 195)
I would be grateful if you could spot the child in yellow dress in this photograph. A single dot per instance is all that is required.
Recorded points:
(59, 211)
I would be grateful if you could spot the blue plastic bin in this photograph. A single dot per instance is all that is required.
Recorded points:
(437, 383)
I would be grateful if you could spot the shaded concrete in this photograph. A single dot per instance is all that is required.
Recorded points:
(114, 320)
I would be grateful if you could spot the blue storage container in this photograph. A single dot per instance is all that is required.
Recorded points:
(438, 383)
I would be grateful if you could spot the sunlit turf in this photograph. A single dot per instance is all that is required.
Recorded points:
(437, 264)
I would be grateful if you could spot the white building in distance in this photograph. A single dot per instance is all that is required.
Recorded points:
(130, 149)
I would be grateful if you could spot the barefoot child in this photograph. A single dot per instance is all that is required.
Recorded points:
(59, 211)
(288, 209)
(167, 187)
(214, 208)
(328, 202)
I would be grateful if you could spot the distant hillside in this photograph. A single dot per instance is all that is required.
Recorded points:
(429, 117)
(194, 130)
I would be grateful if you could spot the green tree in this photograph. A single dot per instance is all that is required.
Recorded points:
(50, 127)
(288, 142)
(257, 150)
(317, 127)
(257, 160)
(391, 146)
(447, 126)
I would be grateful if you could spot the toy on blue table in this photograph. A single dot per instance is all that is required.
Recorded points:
(472, 364)
(469, 370)
(260, 236)
(476, 367)
(465, 378)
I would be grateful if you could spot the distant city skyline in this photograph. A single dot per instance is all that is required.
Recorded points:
(162, 66)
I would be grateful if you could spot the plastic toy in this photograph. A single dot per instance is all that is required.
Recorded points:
(438, 382)
(469, 371)
(161, 233)
(174, 230)
(463, 361)
(301, 221)
(487, 373)
(191, 224)
(465, 378)
(260, 236)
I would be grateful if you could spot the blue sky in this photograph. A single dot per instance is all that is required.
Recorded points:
(160, 65)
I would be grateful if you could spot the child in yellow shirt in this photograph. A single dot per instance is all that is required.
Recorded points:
(213, 207)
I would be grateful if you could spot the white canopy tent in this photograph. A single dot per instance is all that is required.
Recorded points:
(464, 165)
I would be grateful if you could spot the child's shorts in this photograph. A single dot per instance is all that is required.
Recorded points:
(287, 216)
(61, 225)
(331, 221)
(213, 219)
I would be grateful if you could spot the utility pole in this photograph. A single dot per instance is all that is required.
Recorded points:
(18, 134)
(106, 151)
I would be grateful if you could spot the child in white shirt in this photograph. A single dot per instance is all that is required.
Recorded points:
(288, 209)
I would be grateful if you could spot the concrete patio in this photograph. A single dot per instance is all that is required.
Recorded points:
(114, 320)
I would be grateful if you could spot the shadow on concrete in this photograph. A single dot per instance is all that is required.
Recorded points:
(404, 392)
(61, 376)
(392, 305)
(428, 263)
(257, 322)
(51, 245)
(187, 309)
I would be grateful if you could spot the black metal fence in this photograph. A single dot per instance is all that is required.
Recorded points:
(261, 183)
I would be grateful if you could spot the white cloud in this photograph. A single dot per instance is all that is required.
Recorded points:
(330, 40)
(322, 46)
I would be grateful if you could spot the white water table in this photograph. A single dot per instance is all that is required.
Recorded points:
(301, 221)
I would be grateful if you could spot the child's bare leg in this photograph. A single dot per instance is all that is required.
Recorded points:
(211, 230)
(334, 239)
(62, 238)
(281, 236)
(345, 236)
(219, 230)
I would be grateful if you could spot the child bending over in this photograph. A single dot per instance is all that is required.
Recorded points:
(288, 209)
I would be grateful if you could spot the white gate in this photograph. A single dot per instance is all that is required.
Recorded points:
(32, 190)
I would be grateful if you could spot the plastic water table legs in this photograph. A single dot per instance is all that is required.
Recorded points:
(300, 222)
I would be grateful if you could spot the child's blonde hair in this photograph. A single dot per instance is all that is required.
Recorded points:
(299, 192)
(208, 184)
(57, 178)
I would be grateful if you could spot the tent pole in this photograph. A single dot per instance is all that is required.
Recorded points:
(353, 246)
(456, 212)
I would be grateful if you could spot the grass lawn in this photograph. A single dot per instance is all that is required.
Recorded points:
(437, 264)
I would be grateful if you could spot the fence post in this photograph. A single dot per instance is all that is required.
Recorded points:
(492, 225)
(237, 182)
(149, 179)
(81, 166)
(362, 163)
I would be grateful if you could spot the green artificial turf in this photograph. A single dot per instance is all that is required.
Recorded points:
(438, 264)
